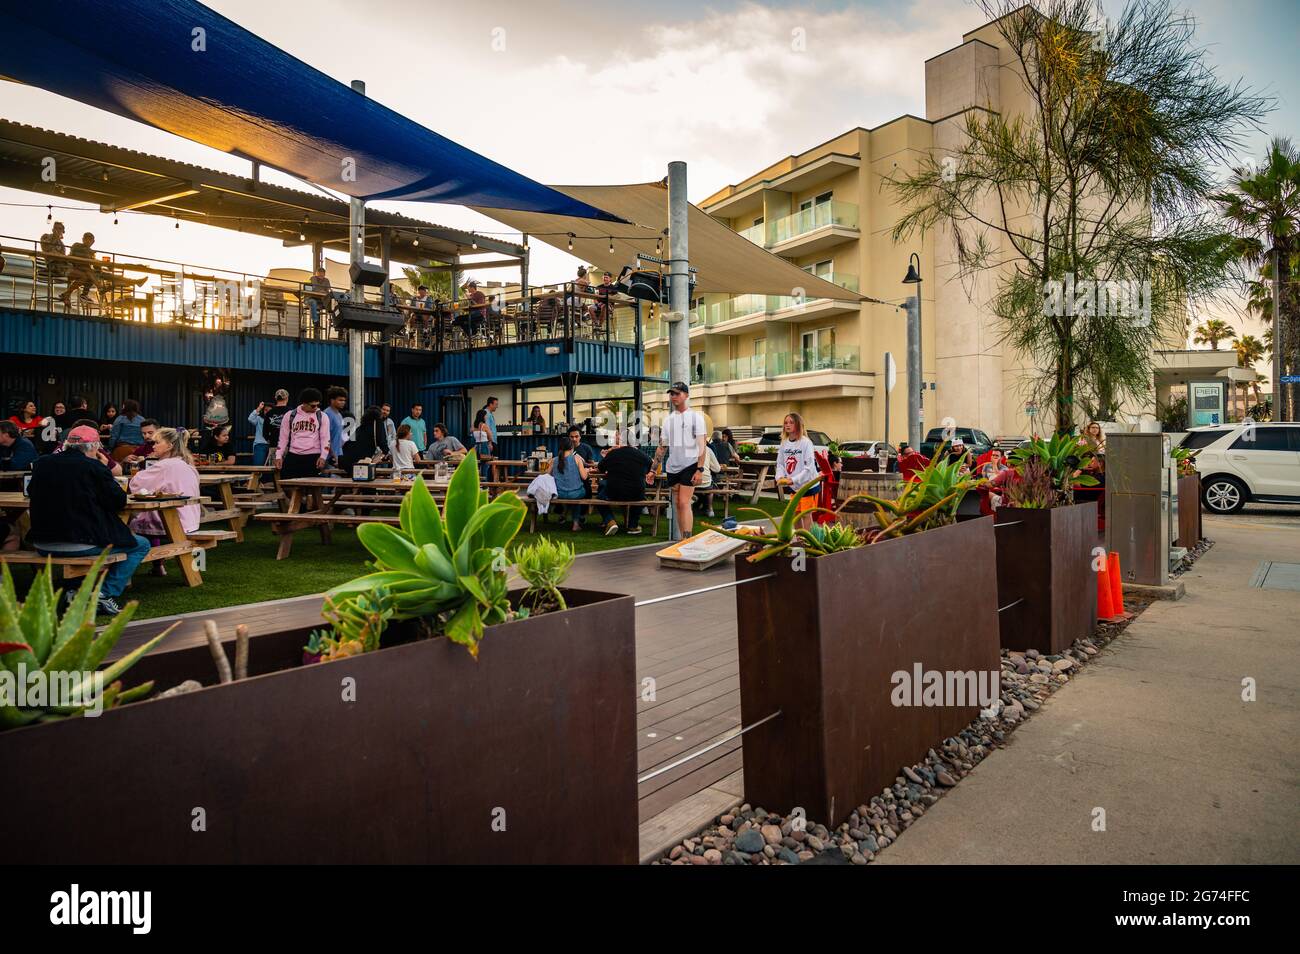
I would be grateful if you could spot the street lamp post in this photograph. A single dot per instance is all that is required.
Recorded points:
(915, 376)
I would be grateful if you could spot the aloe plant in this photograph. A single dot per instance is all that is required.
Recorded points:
(544, 565)
(928, 499)
(445, 566)
(67, 651)
(784, 534)
(1063, 455)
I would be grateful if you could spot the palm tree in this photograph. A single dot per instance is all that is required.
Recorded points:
(1212, 332)
(1250, 350)
(1262, 208)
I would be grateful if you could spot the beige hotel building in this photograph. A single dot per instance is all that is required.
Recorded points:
(830, 210)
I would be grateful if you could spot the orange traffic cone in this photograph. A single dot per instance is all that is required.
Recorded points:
(1117, 587)
(1105, 611)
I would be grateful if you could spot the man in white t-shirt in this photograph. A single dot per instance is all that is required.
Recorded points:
(683, 437)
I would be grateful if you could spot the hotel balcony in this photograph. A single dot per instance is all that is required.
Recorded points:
(733, 316)
(815, 229)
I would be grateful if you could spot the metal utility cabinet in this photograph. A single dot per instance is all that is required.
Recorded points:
(1140, 494)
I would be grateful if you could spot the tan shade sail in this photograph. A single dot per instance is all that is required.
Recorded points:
(726, 263)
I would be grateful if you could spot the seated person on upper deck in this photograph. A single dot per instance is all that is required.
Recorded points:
(83, 273)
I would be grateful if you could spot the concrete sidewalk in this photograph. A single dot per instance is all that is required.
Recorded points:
(1155, 732)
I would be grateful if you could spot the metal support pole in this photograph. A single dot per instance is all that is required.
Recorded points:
(386, 258)
(679, 343)
(523, 274)
(1277, 335)
(357, 256)
(915, 379)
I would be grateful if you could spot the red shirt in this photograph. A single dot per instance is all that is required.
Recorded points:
(31, 425)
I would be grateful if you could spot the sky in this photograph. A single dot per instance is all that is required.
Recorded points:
(569, 92)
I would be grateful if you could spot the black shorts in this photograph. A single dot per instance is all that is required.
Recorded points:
(683, 476)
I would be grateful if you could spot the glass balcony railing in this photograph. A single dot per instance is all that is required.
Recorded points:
(781, 302)
(843, 214)
(824, 358)
(755, 233)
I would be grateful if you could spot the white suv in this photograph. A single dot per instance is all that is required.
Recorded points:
(1247, 463)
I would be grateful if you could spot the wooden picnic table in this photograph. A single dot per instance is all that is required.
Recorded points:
(310, 507)
(228, 509)
(179, 545)
(759, 470)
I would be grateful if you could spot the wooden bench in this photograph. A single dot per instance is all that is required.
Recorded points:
(19, 557)
(210, 536)
(652, 504)
(75, 567)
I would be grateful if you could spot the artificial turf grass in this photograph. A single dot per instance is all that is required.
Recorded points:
(248, 572)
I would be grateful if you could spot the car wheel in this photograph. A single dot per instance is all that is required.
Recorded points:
(1224, 495)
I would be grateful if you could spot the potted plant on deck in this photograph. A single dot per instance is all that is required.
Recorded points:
(1046, 583)
(834, 614)
(446, 722)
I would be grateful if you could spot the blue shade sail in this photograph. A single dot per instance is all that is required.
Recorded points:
(181, 67)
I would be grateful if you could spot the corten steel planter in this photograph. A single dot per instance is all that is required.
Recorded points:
(1189, 511)
(538, 736)
(822, 644)
(1046, 584)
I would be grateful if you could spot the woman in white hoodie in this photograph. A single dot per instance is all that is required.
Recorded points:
(796, 464)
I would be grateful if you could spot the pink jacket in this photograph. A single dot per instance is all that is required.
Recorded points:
(304, 433)
(169, 476)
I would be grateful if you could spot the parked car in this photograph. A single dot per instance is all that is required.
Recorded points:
(1246, 463)
(771, 440)
(1008, 444)
(976, 441)
(867, 449)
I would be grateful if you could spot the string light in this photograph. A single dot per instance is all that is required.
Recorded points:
(570, 241)
(50, 217)
(611, 245)
(474, 246)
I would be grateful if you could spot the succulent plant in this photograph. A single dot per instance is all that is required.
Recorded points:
(1032, 487)
(928, 499)
(33, 638)
(784, 534)
(358, 621)
(1064, 455)
(447, 567)
(544, 565)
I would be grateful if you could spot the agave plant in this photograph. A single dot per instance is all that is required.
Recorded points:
(929, 499)
(33, 638)
(1185, 460)
(447, 567)
(544, 565)
(1063, 455)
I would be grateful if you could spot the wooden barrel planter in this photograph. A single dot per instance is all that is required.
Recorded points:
(1047, 590)
(527, 755)
(887, 486)
(1189, 511)
(822, 645)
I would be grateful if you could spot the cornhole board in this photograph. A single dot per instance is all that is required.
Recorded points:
(702, 551)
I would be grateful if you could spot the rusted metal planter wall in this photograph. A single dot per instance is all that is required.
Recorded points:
(1189, 511)
(1045, 577)
(822, 645)
(538, 735)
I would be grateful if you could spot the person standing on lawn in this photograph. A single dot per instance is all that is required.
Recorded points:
(304, 444)
(415, 421)
(683, 440)
(796, 464)
(75, 511)
(336, 400)
(390, 426)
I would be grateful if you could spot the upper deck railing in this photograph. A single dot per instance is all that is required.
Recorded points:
(132, 288)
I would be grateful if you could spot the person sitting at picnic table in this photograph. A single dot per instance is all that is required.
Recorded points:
(582, 450)
(172, 472)
(106, 419)
(625, 468)
(601, 310)
(423, 299)
(145, 448)
(570, 473)
(404, 450)
(722, 448)
(321, 287)
(444, 445)
(75, 511)
(910, 461)
(304, 444)
(17, 452)
(27, 420)
(215, 445)
(125, 435)
(369, 443)
(83, 273)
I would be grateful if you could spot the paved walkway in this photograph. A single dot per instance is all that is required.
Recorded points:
(1155, 732)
